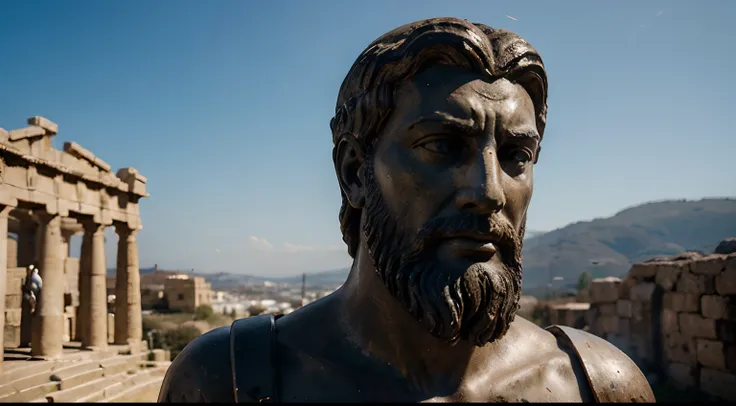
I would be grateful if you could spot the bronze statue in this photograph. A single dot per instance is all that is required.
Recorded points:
(436, 131)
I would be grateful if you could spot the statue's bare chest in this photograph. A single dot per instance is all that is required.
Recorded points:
(308, 379)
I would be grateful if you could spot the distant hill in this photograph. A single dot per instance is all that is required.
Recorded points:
(609, 246)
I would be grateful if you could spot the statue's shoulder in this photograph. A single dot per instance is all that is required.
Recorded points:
(612, 375)
(201, 372)
(224, 364)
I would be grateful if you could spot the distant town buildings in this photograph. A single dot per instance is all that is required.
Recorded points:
(172, 291)
(186, 293)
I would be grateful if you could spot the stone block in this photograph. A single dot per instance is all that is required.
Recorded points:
(682, 375)
(668, 274)
(681, 349)
(624, 327)
(604, 290)
(14, 284)
(642, 292)
(696, 284)
(609, 324)
(643, 270)
(718, 383)
(640, 311)
(726, 282)
(670, 323)
(623, 308)
(13, 301)
(711, 354)
(12, 317)
(625, 287)
(608, 309)
(711, 265)
(636, 310)
(641, 327)
(681, 302)
(731, 263)
(718, 307)
(11, 336)
(159, 355)
(44, 123)
(695, 325)
(27, 132)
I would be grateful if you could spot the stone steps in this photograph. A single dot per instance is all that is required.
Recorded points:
(91, 372)
(115, 387)
(70, 381)
(76, 393)
(57, 372)
(31, 393)
(28, 368)
(116, 365)
(145, 392)
(125, 386)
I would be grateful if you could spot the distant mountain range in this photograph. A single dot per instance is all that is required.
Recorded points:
(609, 246)
(602, 247)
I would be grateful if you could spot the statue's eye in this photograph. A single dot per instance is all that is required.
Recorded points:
(515, 159)
(444, 146)
(521, 156)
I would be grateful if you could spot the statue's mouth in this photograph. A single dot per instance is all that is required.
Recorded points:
(478, 248)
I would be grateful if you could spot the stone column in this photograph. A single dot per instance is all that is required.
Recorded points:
(128, 320)
(4, 211)
(48, 321)
(83, 286)
(96, 311)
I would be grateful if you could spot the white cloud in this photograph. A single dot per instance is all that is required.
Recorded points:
(217, 250)
(511, 18)
(260, 244)
(659, 13)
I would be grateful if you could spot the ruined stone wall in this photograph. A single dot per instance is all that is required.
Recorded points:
(571, 314)
(674, 318)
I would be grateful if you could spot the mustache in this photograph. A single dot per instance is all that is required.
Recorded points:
(495, 228)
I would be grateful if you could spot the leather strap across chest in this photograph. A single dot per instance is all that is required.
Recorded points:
(253, 359)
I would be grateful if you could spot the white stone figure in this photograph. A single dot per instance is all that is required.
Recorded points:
(32, 287)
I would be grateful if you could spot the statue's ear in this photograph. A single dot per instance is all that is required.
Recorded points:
(349, 157)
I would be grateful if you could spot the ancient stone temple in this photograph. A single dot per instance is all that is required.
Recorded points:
(46, 197)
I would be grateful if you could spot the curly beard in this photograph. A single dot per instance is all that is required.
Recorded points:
(476, 303)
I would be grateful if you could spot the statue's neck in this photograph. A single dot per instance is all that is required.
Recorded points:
(378, 324)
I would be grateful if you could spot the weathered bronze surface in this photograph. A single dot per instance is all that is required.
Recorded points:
(437, 128)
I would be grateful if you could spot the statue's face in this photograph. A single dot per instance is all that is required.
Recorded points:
(448, 183)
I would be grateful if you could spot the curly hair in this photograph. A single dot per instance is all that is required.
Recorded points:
(365, 100)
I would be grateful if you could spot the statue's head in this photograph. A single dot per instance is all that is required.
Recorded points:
(437, 127)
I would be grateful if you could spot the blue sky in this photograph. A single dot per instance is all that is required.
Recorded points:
(225, 107)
